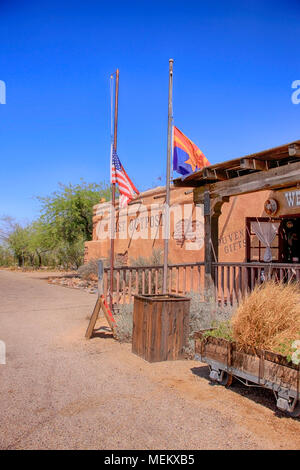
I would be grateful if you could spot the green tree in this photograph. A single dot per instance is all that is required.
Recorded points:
(40, 241)
(57, 237)
(6, 257)
(19, 243)
(68, 212)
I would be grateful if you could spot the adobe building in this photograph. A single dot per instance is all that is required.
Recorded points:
(253, 189)
(259, 193)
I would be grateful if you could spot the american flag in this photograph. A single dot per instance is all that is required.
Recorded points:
(119, 176)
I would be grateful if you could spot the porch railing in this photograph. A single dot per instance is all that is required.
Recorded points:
(231, 281)
(131, 280)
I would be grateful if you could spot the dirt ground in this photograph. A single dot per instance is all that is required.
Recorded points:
(59, 391)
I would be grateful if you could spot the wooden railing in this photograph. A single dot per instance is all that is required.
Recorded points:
(131, 280)
(231, 280)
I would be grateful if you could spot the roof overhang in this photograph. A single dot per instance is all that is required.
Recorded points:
(256, 163)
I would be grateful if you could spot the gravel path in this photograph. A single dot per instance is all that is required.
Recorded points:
(59, 391)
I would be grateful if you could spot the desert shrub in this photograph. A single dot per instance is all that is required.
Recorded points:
(89, 271)
(269, 317)
(222, 329)
(205, 314)
(154, 260)
(202, 315)
(124, 320)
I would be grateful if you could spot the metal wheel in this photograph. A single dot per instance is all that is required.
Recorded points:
(220, 376)
(226, 380)
(296, 411)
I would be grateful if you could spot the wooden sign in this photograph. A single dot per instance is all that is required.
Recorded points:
(101, 304)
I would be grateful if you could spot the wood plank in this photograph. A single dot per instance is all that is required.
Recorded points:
(253, 164)
(280, 177)
(161, 327)
(130, 285)
(211, 174)
(222, 286)
(93, 319)
(100, 304)
(150, 281)
(108, 314)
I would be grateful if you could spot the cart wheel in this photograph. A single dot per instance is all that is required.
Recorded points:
(226, 380)
(296, 411)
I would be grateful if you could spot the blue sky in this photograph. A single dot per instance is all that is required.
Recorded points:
(234, 63)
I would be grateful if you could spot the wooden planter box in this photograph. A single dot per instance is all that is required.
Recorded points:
(160, 326)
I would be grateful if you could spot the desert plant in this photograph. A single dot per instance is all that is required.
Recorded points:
(205, 314)
(202, 315)
(124, 323)
(89, 270)
(223, 329)
(269, 318)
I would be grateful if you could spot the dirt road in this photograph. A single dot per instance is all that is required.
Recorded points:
(59, 391)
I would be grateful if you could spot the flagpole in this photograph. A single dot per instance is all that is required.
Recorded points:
(167, 203)
(113, 194)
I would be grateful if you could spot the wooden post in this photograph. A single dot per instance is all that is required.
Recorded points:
(212, 212)
(100, 278)
(167, 204)
(207, 245)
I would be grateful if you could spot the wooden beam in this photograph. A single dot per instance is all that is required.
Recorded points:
(253, 164)
(211, 174)
(276, 178)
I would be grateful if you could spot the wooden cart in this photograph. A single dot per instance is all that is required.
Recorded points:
(252, 367)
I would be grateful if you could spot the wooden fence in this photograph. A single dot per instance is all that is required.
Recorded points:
(231, 280)
(131, 280)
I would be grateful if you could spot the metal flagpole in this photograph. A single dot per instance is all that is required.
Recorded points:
(167, 204)
(113, 195)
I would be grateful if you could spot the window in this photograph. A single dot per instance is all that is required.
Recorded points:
(257, 231)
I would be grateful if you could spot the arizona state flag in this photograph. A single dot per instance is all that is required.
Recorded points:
(187, 157)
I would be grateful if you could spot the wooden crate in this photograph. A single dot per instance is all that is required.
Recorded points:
(160, 326)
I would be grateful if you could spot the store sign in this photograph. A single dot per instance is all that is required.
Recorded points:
(292, 198)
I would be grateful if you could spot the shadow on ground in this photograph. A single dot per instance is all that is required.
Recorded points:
(260, 395)
(103, 332)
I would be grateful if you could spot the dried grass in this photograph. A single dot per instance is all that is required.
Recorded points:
(269, 317)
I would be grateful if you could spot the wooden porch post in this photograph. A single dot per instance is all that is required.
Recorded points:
(208, 284)
(212, 212)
